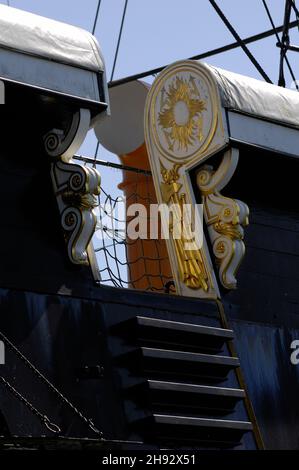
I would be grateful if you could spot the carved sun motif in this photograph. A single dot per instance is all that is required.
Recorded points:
(181, 114)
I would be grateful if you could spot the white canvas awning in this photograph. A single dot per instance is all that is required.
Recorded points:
(45, 53)
(253, 112)
(257, 98)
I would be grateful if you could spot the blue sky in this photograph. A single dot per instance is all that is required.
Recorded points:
(158, 32)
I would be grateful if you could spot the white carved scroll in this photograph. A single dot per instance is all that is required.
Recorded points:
(76, 189)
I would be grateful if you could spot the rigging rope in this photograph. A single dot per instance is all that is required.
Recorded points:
(93, 31)
(51, 387)
(293, 5)
(119, 39)
(278, 40)
(240, 41)
(96, 17)
(296, 11)
(96, 153)
(114, 61)
(112, 165)
(285, 41)
(204, 55)
(42, 417)
(135, 263)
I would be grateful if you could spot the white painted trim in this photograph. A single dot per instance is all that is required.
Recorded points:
(53, 76)
(263, 134)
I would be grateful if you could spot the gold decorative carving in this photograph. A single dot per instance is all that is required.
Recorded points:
(225, 217)
(181, 113)
(185, 119)
(183, 126)
(191, 266)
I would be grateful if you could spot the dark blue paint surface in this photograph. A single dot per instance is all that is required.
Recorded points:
(272, 380)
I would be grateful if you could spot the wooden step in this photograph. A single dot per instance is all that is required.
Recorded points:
(190, 398)
(162, 362)
(218, 433)
(154, 332)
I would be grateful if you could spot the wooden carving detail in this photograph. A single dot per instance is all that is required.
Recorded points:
(191, 268)
(76, 187)
(183, 126)
(64, 145)
(225, 217)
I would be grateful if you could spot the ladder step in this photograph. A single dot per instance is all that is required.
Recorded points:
(201, 431)
(163, 362)
(203, 422)
(197, 389)
(162, 396)
(173, 375)
(171, 334)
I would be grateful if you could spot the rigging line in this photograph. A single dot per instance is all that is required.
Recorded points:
(296, 12)
(240, 41)
(119, 39)
(204, 55)
(96, 16)
(278, 39)
(93, 31)
(42, 417)
(94, 162)
(285, 40)
(49, 384)
(118, 166)
(114, 62)
(293, 5)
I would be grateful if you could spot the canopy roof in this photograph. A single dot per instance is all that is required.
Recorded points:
(35, 35)
(44, 53)
(257, 98)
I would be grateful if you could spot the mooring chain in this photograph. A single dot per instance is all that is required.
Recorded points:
(43, 418)
(21, 356)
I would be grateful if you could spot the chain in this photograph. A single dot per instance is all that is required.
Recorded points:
(21, 356)
(43, 418)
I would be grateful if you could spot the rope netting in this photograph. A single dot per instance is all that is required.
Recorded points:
(139, 263)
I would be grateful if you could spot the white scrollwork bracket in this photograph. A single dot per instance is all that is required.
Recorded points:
(225, 217)
(75, 187)
(64, 145)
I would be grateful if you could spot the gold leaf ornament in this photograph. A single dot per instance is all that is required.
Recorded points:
(181, 114)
